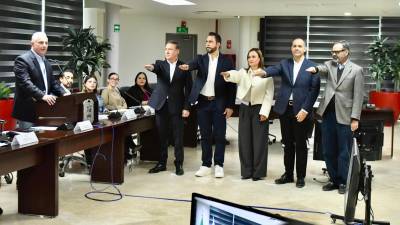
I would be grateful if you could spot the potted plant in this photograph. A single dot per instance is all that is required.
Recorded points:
(88, 52)
(385, 69)
(6, 106)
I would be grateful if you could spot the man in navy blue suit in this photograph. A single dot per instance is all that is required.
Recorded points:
(170, 100)
(34, 81)
(215, 99)
(294, 105)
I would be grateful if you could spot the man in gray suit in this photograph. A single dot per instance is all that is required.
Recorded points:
(340, 109)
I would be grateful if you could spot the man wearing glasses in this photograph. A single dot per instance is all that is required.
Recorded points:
(340, 109)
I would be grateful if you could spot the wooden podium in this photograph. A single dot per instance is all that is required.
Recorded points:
(67, 109)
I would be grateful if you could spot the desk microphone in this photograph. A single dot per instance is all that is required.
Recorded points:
(139, 110)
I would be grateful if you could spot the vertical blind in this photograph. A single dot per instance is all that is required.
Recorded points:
(19, 19)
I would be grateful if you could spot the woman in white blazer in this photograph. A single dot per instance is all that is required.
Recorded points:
(255, 94)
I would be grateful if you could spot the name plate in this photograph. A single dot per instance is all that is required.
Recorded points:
(25, 139)
(129, 115)
(83, 126)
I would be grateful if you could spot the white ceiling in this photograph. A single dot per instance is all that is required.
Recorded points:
(230, 8)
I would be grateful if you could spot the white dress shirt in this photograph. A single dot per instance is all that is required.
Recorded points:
(40, 60)
(208, 89)
(296, 69)
(172, 67)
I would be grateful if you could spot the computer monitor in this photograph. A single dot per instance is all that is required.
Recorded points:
(352, 184)
(207, 210)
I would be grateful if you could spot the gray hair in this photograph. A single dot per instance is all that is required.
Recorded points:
(37, 35)
(344, 43)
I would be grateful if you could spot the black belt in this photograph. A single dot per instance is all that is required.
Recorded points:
(208, 98)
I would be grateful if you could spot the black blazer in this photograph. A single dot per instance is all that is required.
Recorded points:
(137, 93)
(177, 90)
(305, 89)
(30, 87)
(225, 92)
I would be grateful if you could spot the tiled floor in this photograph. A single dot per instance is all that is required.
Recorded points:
(134, 209)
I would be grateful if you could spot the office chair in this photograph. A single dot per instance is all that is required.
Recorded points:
(271, 137)
(66, 160)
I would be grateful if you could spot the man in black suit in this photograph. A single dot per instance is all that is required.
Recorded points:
(294, 105)
(170, 100)
(34, 81)
(215, 98)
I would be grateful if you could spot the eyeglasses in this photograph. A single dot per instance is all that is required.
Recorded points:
(337, 51)
(116, 79)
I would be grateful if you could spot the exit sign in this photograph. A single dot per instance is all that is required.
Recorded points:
(183, 30)
(117, 27)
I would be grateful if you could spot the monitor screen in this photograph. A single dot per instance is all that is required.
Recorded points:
(211, 211)
(352, 185)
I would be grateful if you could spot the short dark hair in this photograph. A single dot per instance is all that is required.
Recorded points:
(217, 37)
(61, 74)
(112, 73)
(174, 43)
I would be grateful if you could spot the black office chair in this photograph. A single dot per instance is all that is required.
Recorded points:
(271, 137)
(65, 161)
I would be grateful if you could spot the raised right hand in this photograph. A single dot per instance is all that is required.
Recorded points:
(184, 67)
(311, 70)
(149, 67)
(226, 75)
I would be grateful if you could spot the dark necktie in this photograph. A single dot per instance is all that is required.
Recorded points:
(339, 72)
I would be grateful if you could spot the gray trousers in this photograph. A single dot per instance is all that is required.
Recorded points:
(253, 142)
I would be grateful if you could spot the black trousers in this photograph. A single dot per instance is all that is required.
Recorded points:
(294, 139)
(167, 123)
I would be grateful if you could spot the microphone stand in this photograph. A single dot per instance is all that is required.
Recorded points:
(140, 110)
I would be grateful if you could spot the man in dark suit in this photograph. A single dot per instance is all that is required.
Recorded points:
(294, 105)
(34, 81)
(170, 100)
(215, 98)
(340, 109)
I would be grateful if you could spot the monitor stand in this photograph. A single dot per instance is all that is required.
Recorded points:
(366, 191)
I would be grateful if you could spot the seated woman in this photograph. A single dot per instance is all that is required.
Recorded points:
(111, 95)
(140, 91)
(90, 86)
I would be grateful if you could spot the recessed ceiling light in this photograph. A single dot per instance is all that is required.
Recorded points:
(347, 13)
(175, 2)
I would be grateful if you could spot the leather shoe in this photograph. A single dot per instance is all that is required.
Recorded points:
(246, 177)
(158, 168)
(342, 189)
(284, 179)
(300, 182)
(179, 169)
(330, 187)
(256, 178)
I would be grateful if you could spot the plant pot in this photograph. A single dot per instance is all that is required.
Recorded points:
(6, 107)
(386, 100)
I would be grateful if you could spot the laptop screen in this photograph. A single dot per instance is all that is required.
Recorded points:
(211, 211)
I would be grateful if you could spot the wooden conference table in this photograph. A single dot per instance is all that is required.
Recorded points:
(37, 164)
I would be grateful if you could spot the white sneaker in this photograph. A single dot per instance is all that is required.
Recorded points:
(203, 171)
(219, 172)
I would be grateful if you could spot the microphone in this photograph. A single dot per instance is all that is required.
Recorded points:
(139, 110)
(57, 62)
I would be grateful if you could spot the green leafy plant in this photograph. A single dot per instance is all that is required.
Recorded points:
(381, 66)
(88, 52)
(5, 91)
(396, 65)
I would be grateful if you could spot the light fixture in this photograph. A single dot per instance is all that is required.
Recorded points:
(347, 13)
(174, 2)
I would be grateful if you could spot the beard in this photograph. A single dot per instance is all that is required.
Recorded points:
(211, 50)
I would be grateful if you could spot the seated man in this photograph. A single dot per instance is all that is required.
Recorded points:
(66, 79)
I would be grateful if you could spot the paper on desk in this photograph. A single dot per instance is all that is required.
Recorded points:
(40, 128)
(103, 116)
(3, 144)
